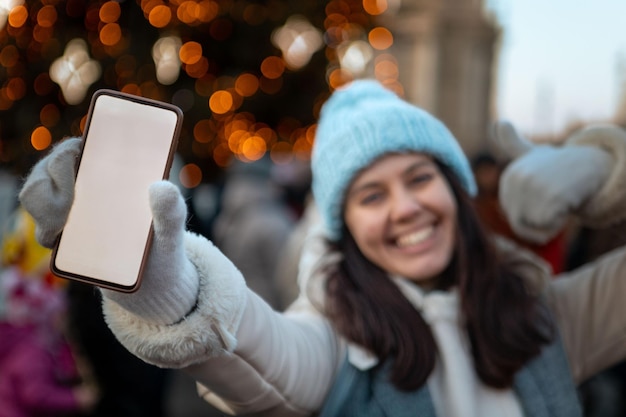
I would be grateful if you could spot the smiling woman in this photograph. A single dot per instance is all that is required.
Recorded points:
(406, 215)
(408, 306)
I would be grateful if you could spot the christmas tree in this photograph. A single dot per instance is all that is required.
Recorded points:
(250, 76)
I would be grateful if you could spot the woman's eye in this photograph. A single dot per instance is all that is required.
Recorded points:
(371, 198)
(421, 178)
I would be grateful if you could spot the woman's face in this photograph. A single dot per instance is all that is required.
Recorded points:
(402, 215)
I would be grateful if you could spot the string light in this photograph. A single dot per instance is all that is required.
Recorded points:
(165, 53)
(191, 52)
(298, 40)
(75, 71)
(6, 6)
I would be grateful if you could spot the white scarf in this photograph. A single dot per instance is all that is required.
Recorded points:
(454, 386)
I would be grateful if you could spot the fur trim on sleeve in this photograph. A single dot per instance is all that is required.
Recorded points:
(209, 329)
(608, 205)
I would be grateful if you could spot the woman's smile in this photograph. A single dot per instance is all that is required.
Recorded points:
(415, 238)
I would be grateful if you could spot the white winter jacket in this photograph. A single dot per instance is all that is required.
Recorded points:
(249, 359)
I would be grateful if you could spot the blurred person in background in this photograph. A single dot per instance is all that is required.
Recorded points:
(40, 373)
(288, 268)
(487, 171)
(295, 178)
(129, 387)
(9, 186)
(253, 225)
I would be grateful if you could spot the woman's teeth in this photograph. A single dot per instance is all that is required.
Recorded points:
(415, 238)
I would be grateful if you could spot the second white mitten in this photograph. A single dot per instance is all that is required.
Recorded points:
(543, 186)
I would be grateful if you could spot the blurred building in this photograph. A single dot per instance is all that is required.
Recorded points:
(620, 72)
(447, 52)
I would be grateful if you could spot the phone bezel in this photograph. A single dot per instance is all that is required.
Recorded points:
(85, 136)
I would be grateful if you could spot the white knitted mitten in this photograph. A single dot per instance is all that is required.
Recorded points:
(169, 286)
(544, 184)
(48, 192)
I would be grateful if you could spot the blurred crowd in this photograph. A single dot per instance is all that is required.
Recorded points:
(58, 357)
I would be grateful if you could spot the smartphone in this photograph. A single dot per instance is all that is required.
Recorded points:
(128, 143)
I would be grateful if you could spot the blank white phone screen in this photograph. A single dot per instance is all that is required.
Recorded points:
(126, 149)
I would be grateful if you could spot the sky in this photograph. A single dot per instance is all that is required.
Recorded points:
(559, 62)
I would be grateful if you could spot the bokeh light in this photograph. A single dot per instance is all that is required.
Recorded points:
(247, 75)
(253, 148)
(75, 71)
(190, 176)
(221, 102)
(110, 34)
(15, 88)
(375, 7)
(198, 69)
(272, 67)
(165, 54)
(203, 131)
(355, 57)
(246, 84)
(298, 40)
(160, 16)
(47, 16)
(41, 138)
(110, 12)
(6, 6)
(190, 52)
(43, 85)
(386, 67)
(380, 38)
(49, 115)
(9, 56)
(18, 16)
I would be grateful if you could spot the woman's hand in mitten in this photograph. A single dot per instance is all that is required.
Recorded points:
(191, 298)
(169, 286)
(545, 183)
(48, 192)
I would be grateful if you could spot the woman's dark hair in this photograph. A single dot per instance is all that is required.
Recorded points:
(506, 324)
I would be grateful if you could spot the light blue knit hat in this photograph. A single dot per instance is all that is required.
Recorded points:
(363, 121)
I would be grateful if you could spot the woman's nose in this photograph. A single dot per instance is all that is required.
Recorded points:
(405, 205)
